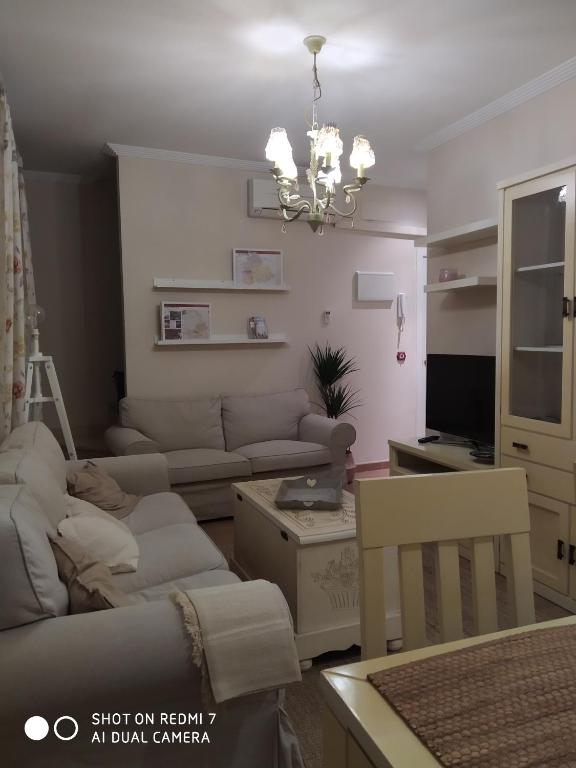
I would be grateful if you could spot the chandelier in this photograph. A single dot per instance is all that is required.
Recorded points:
(323, 174)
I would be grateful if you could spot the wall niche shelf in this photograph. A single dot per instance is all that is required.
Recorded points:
(463, 282)
(181, 283)
(222, 340)
(485, 229)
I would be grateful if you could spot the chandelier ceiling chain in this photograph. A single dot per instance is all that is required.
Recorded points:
(323, 174)
(316, 94)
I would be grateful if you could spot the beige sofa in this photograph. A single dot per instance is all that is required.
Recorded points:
(126, 660)
(210, 443)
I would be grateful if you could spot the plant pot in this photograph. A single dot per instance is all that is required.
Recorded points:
(350, 466)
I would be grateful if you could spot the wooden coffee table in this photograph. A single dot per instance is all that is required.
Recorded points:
(313, 558)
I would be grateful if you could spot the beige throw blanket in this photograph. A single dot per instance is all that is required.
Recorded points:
(245, 634)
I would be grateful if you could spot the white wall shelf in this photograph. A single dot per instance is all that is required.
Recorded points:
(463, 282)
(485, 229)
(169, 283)
(538, 267)
(538, 349)
(222, 340)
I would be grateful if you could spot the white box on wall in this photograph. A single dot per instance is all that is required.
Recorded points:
(375, 286)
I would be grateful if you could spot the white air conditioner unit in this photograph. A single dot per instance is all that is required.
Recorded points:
(263, 198)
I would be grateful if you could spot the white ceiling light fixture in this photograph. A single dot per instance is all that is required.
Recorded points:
(323, 174)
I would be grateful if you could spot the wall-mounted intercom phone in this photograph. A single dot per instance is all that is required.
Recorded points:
(400, 322)
(400, 313)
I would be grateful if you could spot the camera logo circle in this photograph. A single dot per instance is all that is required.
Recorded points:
(36, 728)
(69, 719)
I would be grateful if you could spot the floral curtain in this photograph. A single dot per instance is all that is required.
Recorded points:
(17, 286)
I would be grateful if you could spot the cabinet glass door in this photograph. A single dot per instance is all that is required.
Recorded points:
(538, 304)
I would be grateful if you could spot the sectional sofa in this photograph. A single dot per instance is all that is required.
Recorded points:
(212, 442)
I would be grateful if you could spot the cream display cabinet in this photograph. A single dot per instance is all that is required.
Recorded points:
(537, 309)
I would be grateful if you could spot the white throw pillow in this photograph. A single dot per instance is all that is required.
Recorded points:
(80, 508)
(104, 540)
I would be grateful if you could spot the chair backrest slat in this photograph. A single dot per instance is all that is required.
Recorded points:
(373, 604)
(412, 604)
(519, 579)
(484, 606)
(442, 509)
(448, 593)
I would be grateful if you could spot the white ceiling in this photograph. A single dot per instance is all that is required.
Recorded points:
(213, 76)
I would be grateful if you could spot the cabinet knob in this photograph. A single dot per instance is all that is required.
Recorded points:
(565, 306)
(520, 446)
(571, 554)
(560, 549)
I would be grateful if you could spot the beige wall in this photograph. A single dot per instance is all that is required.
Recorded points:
(180, 220)
(462, 179)
(75, 253)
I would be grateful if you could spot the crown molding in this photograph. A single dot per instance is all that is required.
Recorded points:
(126, 150)
(506, 103)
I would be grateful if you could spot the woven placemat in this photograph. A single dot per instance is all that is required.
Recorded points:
(502, 704)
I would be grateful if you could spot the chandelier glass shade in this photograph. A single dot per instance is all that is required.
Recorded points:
(324, 174)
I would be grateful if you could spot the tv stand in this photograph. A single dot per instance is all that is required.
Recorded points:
(409, 457)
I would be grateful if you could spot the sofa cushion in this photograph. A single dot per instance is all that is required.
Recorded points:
(214, 578)
(89, 582)
(26, 467)
(92, 483)
(36, 435)
(80, 508)
(103, 540)
(157, 511)
(196, 465)
(175, 424)
(285, 455)
(169, 553)
(258, 418)
(31, 589)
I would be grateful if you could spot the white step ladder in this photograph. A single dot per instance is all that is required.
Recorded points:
(36, 399)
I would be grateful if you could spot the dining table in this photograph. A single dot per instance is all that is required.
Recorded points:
(363, 730)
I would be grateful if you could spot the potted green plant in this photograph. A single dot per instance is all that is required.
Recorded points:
(331, 366)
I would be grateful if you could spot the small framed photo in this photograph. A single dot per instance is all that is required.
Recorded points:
(257, 328)
(254, 268)
(184, 322)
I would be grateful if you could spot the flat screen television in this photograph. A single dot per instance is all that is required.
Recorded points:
(460, 396)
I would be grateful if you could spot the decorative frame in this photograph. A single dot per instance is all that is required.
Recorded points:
(184, 321)
(257, 267)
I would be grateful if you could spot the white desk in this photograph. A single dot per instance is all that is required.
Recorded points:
(361, 730)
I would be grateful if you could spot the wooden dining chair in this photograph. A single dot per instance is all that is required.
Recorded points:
(443, 509)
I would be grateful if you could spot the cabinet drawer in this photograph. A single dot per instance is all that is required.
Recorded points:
(552, 451)
(544, 480)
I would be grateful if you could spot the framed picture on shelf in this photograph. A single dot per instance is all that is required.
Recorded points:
(257, 328)
(181, 321)
(257, 268)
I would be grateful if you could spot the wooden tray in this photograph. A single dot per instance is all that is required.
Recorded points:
(310, 493)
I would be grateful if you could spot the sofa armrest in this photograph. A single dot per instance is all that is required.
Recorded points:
(57, 664)
(124, 441)
(142, 475)
(337, 435)
(129, 662)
